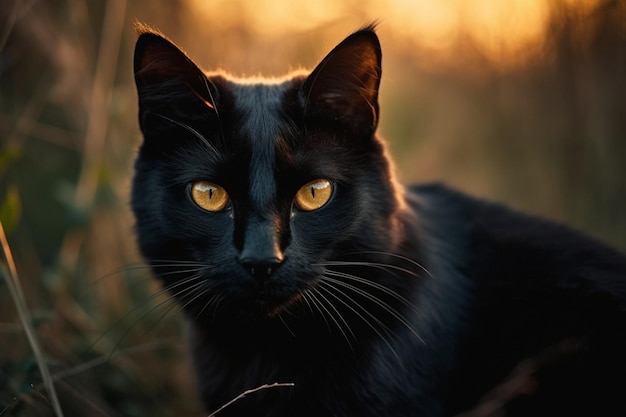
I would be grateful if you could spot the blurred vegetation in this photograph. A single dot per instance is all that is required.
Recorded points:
(542, 128)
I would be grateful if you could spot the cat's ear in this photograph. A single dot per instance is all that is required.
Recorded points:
(161, 65)
(344, 86)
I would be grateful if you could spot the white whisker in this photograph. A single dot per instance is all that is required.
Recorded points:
(378, 265)
(315, 302)
(214, 104)
(280, 317)
(139, 306)
(375, 285)
(395, 256)
(193, 131)
(214, 301)
(385, 306)
(361, 316)
(339, 316)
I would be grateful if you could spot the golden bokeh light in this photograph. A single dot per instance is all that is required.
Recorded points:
(504, 31)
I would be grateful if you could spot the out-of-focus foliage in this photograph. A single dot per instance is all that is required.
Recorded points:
(540, 124)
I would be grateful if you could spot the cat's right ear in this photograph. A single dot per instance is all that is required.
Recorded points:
(344, 86)
(162, 69)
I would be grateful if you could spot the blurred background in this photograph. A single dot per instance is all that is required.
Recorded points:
(522, 101)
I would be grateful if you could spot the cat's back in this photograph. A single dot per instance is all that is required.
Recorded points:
(545, 301)
(507, 237)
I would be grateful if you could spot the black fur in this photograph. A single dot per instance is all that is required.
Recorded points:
(387, 301)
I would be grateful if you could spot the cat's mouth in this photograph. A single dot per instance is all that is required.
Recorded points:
(274, 310)
(271, 305)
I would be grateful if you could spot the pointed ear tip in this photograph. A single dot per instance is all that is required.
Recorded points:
(367, 36)
(142, 28)
(150, 41)
(146, 38)
(147, 35)
(141, 46)
(368, 31)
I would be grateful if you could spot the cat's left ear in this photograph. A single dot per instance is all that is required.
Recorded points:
(344, 86)
(161, 65)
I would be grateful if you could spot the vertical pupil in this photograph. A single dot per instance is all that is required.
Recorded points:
(313, 192)
(210, 193)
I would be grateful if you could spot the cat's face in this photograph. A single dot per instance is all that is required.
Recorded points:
(247, 194)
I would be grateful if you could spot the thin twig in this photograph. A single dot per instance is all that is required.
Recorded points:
(4, 410)
(251, 391)
(10, 272)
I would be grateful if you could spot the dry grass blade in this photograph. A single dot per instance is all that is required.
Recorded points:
(12, 280)
(104, 79)
(251, 391)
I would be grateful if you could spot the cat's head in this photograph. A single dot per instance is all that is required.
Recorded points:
(247, 193)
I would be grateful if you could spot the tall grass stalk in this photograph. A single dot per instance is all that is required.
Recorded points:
(103, 83)
(15, 290)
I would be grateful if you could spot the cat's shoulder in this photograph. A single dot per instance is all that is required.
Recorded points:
(487, 223)
(480, 212)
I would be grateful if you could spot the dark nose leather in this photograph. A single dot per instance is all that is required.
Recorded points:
(260, 267)
(261, 254)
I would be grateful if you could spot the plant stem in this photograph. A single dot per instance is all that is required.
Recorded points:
(250, 391)
(10, 272)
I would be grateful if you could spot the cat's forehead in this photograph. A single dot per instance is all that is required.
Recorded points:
(261, 125)
(260, 107)
(259, 102)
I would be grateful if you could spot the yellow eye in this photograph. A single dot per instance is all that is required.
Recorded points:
(313, 195)
(209, 196)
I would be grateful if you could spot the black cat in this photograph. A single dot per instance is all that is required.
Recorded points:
(271, 213)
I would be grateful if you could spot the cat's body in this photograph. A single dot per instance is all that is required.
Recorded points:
(271, 212)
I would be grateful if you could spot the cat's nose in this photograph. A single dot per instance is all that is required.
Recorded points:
(261, 253)
(260, 268)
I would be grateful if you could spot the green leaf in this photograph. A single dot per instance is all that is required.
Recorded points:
(10, 210)
(7, 156)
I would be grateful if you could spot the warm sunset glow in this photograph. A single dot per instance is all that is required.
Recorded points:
(503, 30)
(268, 16)
(433, 24)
